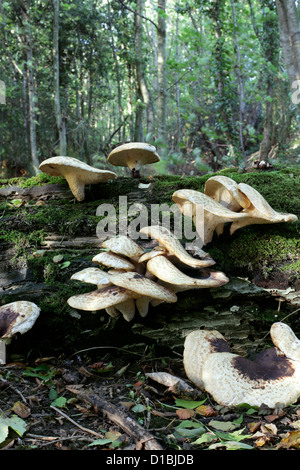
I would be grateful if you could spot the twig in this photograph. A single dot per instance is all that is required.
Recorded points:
(74, 422)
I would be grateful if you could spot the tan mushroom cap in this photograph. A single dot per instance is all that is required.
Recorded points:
(134, 155)
(225, 191)
(76, 172)
(259, 210)
(208, 215)
(163, 269)
(143, 286)
(92, 276)
(124, 246)
(17, 317)
(100, 299)
(112, 260)
(174, 247)
(158, 250)
(272, 379)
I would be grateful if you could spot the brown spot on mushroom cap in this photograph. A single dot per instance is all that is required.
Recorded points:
(174, 247)
(101, 298)
(259, 210)
(76, 172)
(124, 246)
(17, 317)
(143, 286)
(225, 191)
(112, 260)
(163, 269)
(208, 215)
(133, 155)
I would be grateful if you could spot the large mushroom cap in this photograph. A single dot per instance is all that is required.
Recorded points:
(143, 286)
(101, 298)
(225, 191)
(259, 210)
(125, 246)
(133, 155)
(208, 215)
(272, 379)
(165, 270)
(174, 247)
(92, 276)
(76, 172)
(17, 317)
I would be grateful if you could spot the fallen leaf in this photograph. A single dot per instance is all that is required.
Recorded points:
(206, 410)
(185, 413)
(291, 440)
(21, 410)
(253, 427)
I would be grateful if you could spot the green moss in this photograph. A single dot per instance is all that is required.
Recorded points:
(38, 180)
(23, 242)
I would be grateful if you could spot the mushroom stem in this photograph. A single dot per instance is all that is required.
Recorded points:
(2, 352)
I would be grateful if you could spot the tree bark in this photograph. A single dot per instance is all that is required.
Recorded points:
(161, 63)
(290, 37)
(60, 122)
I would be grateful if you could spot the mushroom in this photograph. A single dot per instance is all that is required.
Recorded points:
(16, 317)
(208, 215)
(76, 172)
(225, 191)
(173, 246)
(125, 246)
(273, 379)
(101, 298)
(259, 210)
(92, 276)
(133, 155)
(112, 260)
(164, 269)
(143, 286)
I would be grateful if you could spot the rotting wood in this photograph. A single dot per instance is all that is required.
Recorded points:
(144, 440)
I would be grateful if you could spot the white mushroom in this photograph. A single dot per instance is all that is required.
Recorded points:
(163, 269)
(76, 172)
(273, 379)
(125, 246)
(92, 276)
(100, 299)
(16, 317)
(208, 215)
(225, 191)
(112, 260)
(259, 210)
(133, 155)
(174, 247)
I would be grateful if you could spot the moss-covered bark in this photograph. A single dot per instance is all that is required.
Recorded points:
(45, 236)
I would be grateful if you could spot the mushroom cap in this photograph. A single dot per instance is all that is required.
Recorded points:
(143, 286)
(124, 246)
(17, 317)
(162, 268)
(133, 155)
(158, 250)
(272, 379)
(174, 247)
(92, 276)
(259, 210)
(225, 191)
(76, 172)
(99, 299)
(208, 215)
(112, 260)
(197, 346)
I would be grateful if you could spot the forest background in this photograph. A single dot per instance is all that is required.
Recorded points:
(210, 83)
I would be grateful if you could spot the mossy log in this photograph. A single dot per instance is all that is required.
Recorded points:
(46, 236)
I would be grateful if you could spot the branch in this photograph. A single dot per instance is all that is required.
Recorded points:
(136, 13)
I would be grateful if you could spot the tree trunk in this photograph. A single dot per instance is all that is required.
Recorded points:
(290, 37)
(161, 61)
(60, 122)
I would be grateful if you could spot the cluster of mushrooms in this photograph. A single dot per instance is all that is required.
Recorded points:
(136, 278)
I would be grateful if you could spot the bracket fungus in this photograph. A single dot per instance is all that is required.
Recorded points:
(225, 191)
(77, 173)
(272, 379)
(16, 317)
(133, 155)
(208, 214)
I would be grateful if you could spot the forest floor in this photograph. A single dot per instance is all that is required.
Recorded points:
(109, 402)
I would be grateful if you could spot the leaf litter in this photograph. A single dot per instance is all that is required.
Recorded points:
(108, 401)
